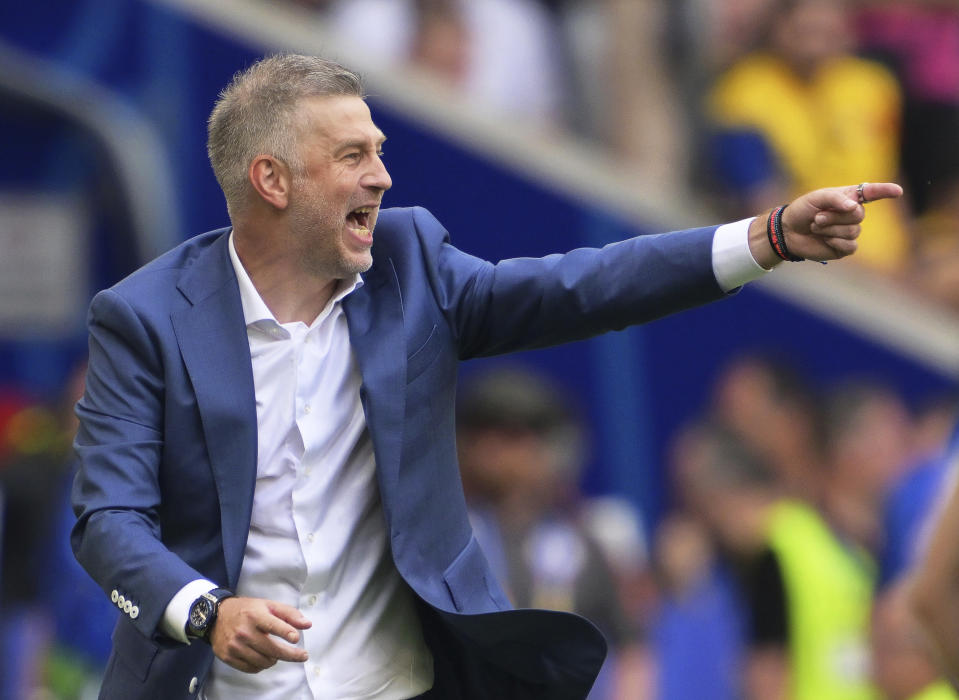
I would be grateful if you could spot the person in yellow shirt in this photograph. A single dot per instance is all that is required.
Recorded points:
(805, 113)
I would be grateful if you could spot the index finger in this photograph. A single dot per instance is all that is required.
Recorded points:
(277, 627)
(872, 191)
(289, 614)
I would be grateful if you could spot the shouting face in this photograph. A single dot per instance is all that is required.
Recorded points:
(335, 198)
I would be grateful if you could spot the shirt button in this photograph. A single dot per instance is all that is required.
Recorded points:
(312, 600)
(310, 537)
(307, 408)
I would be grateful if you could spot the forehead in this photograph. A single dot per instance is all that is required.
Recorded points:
(337, 119)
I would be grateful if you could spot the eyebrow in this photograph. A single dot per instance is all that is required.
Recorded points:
(362, 143)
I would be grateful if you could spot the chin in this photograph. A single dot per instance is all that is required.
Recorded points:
(357, 264)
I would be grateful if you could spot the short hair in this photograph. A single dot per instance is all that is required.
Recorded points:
(514, 400)
(257, 113)
(724, 461)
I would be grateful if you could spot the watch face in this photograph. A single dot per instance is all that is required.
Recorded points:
(200, 613)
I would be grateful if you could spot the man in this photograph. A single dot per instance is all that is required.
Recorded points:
(269, 416)
(521, 446)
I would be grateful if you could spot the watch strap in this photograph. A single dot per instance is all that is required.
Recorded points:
(214, 597)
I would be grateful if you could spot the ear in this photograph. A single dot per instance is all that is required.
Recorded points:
(271, 180)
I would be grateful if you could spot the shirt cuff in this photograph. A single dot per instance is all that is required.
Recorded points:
(733, 263)
(177, 610)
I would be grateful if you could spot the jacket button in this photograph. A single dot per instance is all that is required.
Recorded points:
(127, 607)
(114, 595)
(134, 612)
(193, 684)
(120, 601)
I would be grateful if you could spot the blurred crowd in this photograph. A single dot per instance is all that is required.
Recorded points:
(780, 568)
(747, 103)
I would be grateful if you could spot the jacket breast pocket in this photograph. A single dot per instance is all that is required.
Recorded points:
(423, 356)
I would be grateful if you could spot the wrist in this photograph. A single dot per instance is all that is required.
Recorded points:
(203, 613)
(759, 244)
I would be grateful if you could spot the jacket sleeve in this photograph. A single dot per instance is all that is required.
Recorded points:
(116, 494)
(524, 303)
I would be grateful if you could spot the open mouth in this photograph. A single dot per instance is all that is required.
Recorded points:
(360, 218)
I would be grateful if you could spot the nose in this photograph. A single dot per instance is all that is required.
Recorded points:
(378, 177)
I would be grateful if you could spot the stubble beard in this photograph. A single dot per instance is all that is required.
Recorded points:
(317, 230)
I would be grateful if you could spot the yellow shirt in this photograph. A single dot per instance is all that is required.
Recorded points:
(840, 127)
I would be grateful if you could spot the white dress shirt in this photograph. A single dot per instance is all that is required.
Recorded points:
(317, 536)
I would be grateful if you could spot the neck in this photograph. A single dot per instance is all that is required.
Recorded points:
(852, 514)
(289, 291)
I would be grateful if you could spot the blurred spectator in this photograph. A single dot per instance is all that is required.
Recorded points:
(913, 497)
(919, 40)
(502, 54)
(713, 34)
(521, 450)
(617, 527)
(636, 108)
(736, 494)
(805, 113)
(767, 403)
(868, 447)
(932, 588)
(904, 665)
(698, 630)
(936, 268)
(807, 593)
(32, 473)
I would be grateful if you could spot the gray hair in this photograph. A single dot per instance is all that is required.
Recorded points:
(257, 113)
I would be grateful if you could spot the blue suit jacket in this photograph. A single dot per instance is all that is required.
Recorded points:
(167, 439)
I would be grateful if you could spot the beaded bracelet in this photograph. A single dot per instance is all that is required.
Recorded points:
(777, 239)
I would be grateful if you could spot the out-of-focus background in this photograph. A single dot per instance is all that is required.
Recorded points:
(728, 493)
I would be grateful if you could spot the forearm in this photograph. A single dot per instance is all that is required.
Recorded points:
(118, 537)
(525, 303)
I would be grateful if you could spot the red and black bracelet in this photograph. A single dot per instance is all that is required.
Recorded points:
(777, 239)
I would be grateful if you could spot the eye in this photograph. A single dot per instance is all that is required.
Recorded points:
(353, 155)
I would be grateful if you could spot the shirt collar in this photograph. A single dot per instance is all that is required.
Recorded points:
(255, 309)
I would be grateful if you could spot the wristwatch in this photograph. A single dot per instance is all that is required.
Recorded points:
(203, 613)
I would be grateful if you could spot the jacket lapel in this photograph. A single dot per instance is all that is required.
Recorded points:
(374, 313)
(213, 343)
